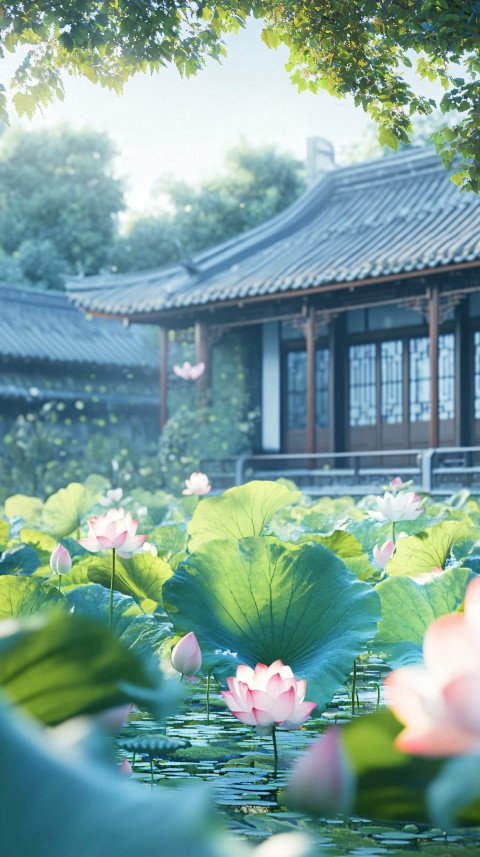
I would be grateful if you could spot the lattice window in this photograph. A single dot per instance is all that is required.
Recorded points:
(363, 385)
(420, 378)
(322, 386)
(477, 374)
(392, 381)
(296, 390)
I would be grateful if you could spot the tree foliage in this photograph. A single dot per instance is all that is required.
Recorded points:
(362, 48)
(58, 201)
(256, 184)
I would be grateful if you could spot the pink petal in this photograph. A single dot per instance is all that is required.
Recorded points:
(413, 698)
(245, 674)
(283, 706)
(133, 543)
(105, 542)
(301, 713)
(262, 718)
(448, 648)
(90, 544)
(440, 741)
(462, 696)
(231, 700)
(245, 717)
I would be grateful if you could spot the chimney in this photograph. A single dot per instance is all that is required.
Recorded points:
(320, 159)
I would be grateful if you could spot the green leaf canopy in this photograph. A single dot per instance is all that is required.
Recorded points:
(22, 596)
(266, 600)
(431, 548)
(141, 577)
(408, 608)
(238, 512)
(70, 665)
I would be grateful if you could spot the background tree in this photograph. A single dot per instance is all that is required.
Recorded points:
(255, 184)
(58, 205)
(361, 48)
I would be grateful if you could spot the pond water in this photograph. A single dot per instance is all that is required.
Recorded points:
(239, 767)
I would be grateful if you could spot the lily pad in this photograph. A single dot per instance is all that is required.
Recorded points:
(266, 600)
(64, 512)
(239, 512)
(156, 746)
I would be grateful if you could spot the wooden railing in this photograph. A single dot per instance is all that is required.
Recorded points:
(440, 471)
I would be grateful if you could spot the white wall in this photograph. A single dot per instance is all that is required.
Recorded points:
(271, 393)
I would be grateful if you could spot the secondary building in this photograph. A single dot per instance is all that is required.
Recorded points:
(360, 306)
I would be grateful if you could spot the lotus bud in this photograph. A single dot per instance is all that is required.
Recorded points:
(382, 555)
(322, 781)
(186, 655)
(114, 719)
(60, 560)
(126, 768)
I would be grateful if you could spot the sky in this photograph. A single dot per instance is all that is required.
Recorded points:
(166, 125)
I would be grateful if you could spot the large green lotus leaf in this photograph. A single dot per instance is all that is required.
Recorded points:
(420, 553)
(408, 608)
(342, 543)
(69, 665)
(238, 512)
(81, 806)
(144, 634)
(19, 559)
(4, 533)
(22, 596)
(64, 512)
(266, 600)
(348, 548)
(29, 509)
(142, 576)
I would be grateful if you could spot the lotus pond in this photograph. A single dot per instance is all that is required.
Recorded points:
(343, 593)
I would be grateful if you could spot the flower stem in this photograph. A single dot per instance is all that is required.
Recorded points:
(275, 752)
(393, 532)
(112, 584)
(208, 694)
(152, 782)
(354, 685)
(59, 582)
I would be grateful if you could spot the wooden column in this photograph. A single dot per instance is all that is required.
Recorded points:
(337, 384)
(464, 410)
(433, 325)
(202, 353)
(310, 337)
(163, 376)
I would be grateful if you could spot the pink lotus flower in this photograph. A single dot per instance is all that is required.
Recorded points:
(189, 372)
(439, 701)
(186, 655)
(397, 507)
(60, 560)
(114, 530)
(382, 555)
(126, 768)
(197, 484)
(267, 697)
(323, 781)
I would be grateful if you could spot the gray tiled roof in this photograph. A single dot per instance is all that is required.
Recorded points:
(38, 325)
(376, 219)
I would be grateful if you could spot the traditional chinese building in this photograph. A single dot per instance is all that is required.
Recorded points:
(360, 305)
(51, 352)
